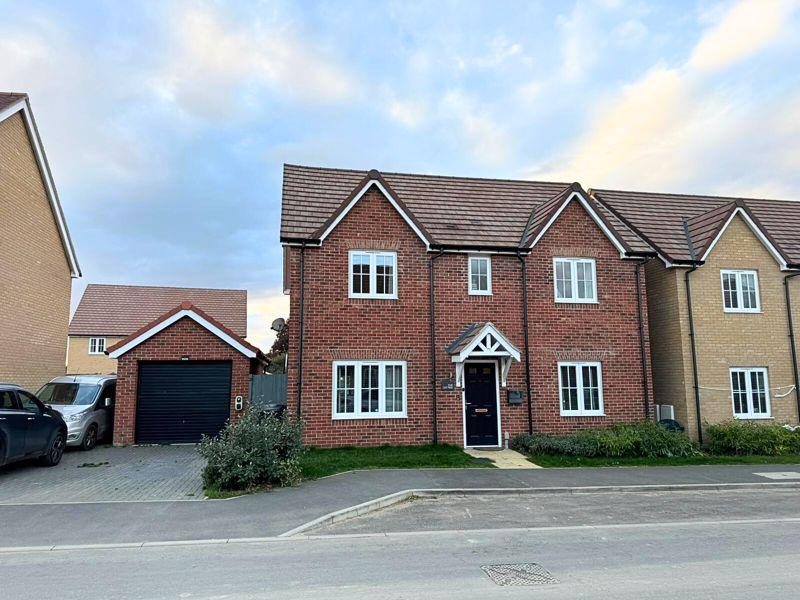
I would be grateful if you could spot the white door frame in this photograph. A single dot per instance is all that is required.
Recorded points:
(496, 364)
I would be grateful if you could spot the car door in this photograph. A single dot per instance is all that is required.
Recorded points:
(40, 424)
(107, 412)
(13, 424)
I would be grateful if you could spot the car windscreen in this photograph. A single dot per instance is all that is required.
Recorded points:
(77, 394)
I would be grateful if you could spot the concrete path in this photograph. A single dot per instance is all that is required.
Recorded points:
(281, 510)
(107, 474)
(503, 458)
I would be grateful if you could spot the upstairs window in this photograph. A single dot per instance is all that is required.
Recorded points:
(750, 393)
(574, 280)
(740, 291)
(581, 388)
(373, 274)
(97, 345)
(369, 389)
(480, 275)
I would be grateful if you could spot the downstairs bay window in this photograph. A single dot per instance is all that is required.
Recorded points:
(369, 389)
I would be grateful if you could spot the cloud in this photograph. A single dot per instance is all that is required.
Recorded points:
(214, 61)
(749, 27)
(488, 141)
(578, 42)
(408, 112)
(668, 126)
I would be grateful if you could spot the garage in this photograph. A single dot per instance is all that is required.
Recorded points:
(179, 402)
(180, 377)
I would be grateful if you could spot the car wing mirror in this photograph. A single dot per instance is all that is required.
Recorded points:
(107, 402)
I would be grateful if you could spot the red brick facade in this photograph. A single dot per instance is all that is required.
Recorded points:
(338, 327)
(184, 337)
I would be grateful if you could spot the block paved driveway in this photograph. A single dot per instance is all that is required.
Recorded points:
(107, 474)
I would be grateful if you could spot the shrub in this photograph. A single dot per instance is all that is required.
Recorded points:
(742, 437)
(641, 439)
(260, 449)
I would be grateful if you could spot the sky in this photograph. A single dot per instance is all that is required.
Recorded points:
(166, 124)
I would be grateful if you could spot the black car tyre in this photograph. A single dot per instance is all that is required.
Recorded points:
(90, 439)
(55, 451)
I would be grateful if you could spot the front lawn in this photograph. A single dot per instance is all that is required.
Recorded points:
(602, 461)
(317, 462)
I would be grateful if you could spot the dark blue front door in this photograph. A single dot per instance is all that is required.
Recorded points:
(480, 398)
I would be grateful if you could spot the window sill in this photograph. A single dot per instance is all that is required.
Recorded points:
(753, 417)
(562, 301)
(97, 353)
(479, 293)
(735, 311)
(369, 417)
(592, 414)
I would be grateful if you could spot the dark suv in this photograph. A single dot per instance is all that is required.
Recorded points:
(28, 428)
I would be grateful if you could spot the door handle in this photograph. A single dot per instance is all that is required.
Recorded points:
(2, 418)
(31, 418)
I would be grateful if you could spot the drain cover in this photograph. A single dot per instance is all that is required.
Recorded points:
(521, 574)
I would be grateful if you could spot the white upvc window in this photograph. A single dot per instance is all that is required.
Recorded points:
(369, 389)
(750, 393)
(479, 275)
(575, 280)
(740, 291)
(373, 274)
(97, 345)
(580, 387)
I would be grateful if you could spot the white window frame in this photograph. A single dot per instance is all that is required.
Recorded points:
(95, 342)
(488, 259)
(382, 413)
(582, 412)
(737, 273)
(373, 254)
(574, 279)
(749, 390)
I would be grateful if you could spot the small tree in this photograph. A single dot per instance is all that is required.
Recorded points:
(277, 354)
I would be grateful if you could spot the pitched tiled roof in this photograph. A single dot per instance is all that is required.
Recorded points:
(453, 211)
(185, 306)
(9, 98)
(658, 219)
(122, 309)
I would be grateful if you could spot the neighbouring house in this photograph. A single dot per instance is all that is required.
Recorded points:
(107, 314)
(37, 259)
(458, 310)
(721, 317)
(181, 376)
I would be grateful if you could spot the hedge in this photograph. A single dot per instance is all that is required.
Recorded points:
(742, 438)
(640, 439)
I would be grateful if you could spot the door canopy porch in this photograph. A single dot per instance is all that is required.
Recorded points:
(482, 340)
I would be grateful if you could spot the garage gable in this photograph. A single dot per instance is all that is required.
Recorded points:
(189, 311)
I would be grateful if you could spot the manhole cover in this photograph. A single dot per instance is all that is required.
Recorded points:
(521, 574)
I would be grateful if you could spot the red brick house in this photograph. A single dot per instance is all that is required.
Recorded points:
(458, 310)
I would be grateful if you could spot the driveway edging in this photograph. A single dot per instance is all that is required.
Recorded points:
(405, 495)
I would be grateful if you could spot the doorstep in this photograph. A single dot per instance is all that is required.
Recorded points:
(503, 458)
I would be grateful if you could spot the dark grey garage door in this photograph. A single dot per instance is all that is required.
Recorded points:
(180, 401)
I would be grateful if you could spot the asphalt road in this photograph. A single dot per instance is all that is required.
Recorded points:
(699, 560)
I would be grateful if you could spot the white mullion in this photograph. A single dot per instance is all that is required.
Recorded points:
(357, 388)
(739, 292)
(748, 392)
(579, 384)
(373, 274)
(382, 388)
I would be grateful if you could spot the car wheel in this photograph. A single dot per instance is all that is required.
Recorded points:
(55, 451)
(90, 439)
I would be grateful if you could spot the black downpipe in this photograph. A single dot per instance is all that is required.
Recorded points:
(432, 310)
(642, 344)
(524, 275)
(791, 340)
(300, 328)
(694, 354)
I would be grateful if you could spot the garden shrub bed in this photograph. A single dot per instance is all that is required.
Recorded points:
(744, 438)
(624, 440)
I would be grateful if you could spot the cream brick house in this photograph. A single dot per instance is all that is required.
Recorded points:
(720, 303)
(107, 314)
(37, 259)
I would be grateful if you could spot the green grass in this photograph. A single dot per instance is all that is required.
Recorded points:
(318, 462)
(599, 461)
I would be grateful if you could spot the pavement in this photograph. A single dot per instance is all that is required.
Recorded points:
(731, 561)
(278, 511)
(503, 458)
(107, 474)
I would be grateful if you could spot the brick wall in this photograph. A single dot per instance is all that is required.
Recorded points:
(338, 327)
(726, 340)
(79, 360)
(184, 337)
(35, 293)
